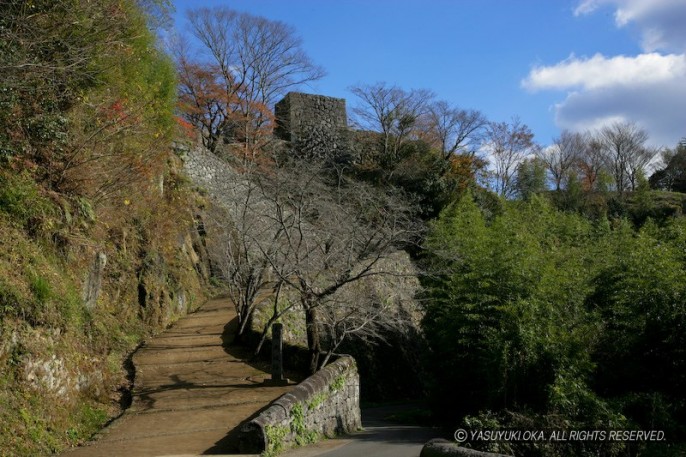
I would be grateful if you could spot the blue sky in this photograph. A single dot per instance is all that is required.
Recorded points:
(554, 63)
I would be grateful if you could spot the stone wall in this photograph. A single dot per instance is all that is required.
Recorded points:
(325, 404)
(444, 448)
(315, 126)
(208, 171)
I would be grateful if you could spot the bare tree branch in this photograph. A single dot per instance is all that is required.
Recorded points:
(508, 144)
(251, 62)
(456, 130)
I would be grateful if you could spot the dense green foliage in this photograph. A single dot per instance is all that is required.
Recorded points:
(418, 170)
(502, 294)
(540, 317)
(673, 175)
(531, 178)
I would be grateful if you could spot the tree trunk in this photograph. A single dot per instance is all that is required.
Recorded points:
(263, 337)
(333, 347)
(243, 321)
(246, 299)
(247, 307)
(238, 334)
(313, 337)
(276, 314)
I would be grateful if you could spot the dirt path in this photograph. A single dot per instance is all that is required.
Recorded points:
(191, 392)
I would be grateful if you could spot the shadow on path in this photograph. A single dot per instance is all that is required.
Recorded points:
(193, 390)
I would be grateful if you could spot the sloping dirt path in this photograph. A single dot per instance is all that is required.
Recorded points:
(192, 389)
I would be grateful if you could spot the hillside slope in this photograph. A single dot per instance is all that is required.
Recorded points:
(99, 242)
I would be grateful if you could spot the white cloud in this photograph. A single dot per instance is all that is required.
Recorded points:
(659, 108)
(588, 6)
(661, 22)
(649, 89)
(601, 72)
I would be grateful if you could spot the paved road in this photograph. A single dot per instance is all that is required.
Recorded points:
(380, 438)
(191, 392)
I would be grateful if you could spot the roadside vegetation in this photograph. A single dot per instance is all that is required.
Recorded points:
(92, 207)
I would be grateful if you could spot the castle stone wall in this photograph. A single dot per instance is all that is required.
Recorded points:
(315, 126)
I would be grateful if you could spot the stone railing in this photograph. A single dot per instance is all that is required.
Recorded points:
(325, 404)
(445, 448)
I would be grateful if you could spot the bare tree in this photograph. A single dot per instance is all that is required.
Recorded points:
(244, 243)
(302, 230)
(256, 61)
(391, 111)
(202, 99)
(508, 144)
(625, 153)
(333, 237)
(373, 308)
(563, 155)
(456, 130)
(591, 162)
(639, 165)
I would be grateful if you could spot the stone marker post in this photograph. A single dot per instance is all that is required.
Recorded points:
(277, 353)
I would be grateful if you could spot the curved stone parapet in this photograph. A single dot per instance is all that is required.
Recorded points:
(325, 404)
(445, 448)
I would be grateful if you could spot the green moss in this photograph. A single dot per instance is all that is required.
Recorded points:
(21, 199)
(317, 400)
(30, 429)
(337, 383)
(275, 437)
(87, 420)
(37, 429)
(303, 436)
(40, 287)
(42, 311)
(10, 298)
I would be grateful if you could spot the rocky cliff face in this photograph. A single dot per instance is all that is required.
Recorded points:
(79, 290)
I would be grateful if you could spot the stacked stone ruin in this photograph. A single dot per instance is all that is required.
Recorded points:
(315, 126)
